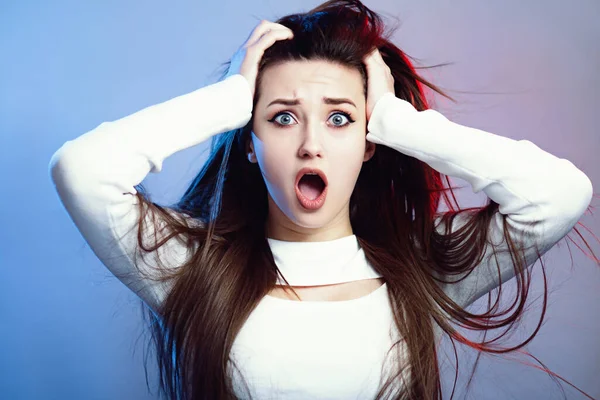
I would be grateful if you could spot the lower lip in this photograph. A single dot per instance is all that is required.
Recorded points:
(311, 204)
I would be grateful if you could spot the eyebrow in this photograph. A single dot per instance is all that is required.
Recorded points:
(326, 100)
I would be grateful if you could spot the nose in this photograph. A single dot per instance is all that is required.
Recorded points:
(311, 146)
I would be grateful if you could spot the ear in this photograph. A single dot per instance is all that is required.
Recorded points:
(369, 150)
(250, 150)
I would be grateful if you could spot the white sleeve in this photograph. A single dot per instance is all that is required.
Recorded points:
(95, 173)
(528, 183)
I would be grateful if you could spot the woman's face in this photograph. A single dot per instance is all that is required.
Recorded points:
(310, 118)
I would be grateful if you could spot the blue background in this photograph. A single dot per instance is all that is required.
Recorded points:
(69, 330)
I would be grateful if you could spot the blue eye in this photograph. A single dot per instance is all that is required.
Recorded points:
(338, 119)
(282, 118)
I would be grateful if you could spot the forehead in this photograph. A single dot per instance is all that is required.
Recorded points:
(300, 79)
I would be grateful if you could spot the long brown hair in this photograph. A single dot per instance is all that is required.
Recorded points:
(393, 212)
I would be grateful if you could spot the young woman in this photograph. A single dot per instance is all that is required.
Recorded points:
(308, 258)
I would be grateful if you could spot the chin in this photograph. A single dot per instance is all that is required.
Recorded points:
(309, 219)
(292, 210)
(314, 220)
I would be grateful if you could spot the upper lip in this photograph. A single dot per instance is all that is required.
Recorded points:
(309, 170)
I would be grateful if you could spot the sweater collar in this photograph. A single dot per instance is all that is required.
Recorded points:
(321, 263)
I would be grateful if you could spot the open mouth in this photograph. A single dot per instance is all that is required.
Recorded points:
(311, 188)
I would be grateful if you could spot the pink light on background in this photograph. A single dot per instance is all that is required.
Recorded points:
(526, 70)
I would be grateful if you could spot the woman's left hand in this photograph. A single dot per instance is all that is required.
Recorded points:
(379, 80)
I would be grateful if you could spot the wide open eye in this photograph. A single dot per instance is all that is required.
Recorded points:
(340, 119)
(282, 118)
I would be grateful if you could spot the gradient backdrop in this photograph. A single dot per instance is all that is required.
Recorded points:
(526, 70)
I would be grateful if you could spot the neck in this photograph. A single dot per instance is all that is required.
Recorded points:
(301, 234)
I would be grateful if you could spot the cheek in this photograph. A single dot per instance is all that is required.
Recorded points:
(350, 154)
(347, 163)
(271, 159)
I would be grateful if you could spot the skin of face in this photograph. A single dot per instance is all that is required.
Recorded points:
(312, 133)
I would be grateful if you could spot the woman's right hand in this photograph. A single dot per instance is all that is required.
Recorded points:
(245, 61)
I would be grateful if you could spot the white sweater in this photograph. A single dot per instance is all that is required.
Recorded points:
(311, 349)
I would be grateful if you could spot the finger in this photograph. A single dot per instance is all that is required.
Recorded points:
(376, 57)
(375, 60)
(258, 31)
(373, 53)
(370, 58)
(268, 32)
(271, 37)
(262, 29)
